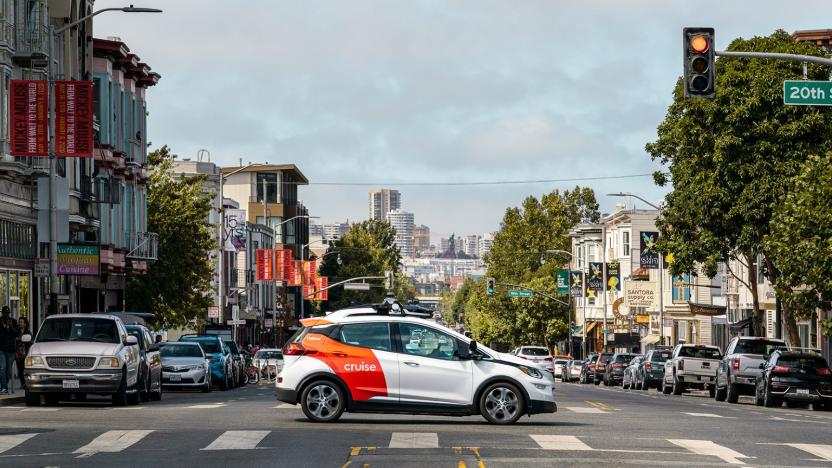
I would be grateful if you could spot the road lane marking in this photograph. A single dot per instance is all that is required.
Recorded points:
(708, 415)
(237, 440)
(414, 440)
(559, 442)
(112, 441)
(818, 450)
(598, 405)
(206, 406)
(707, 447)
(8, 442)
(286, 406)
(583, 409)
(39, 410)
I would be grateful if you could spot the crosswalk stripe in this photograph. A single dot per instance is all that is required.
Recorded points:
(703, 415)
(206, 406)
(237, 440)
(818, 450)
(8, 442)
(584, 409)
(113, 441)
(414, 440)
(559, 442)
(707, 447)
(286, 406)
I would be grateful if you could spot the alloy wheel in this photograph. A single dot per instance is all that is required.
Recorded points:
(502, 404)
(323, 401)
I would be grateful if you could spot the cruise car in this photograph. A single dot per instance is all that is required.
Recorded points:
(185, 366)
(380, 359)
(796, 377)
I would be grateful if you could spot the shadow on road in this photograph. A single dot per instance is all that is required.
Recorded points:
(445, 422)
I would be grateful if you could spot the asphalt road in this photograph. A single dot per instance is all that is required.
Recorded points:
(595, 426)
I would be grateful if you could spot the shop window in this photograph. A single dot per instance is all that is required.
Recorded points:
(681, 288)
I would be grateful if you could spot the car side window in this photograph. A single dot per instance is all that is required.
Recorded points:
(418, 340)
(366, 335)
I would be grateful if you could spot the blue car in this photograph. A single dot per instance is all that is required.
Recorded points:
(219, 357)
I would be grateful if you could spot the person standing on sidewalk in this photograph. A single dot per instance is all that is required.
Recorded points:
(8, 345)
(22, 348)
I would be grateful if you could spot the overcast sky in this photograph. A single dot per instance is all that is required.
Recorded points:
(397, 91)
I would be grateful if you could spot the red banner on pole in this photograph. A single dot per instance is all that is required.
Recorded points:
(264, 261)
(285, 265)
(310, 272)
(296, 277)
(28, 117)
(322, 293)
(73, 119)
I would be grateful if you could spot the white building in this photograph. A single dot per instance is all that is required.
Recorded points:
(485, 243)
(471, 246)
(402, 221)
(334, 231)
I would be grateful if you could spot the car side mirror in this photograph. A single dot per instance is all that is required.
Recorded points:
(131, 341)
(472, 347)
(762, 365)
(158, 339)
(26, 338)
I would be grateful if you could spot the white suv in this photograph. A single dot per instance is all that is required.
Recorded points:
(383, 360)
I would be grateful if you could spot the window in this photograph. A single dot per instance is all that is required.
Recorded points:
(625, 243)
(366, 335)
(79, 329)
(422, 341)
(681, 288)
(270, 181)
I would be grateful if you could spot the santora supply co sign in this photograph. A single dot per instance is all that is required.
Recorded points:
(640, 294)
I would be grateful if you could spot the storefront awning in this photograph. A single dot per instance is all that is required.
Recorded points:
(738, 326)
(650, 339)
(706, 309)
(590, 326)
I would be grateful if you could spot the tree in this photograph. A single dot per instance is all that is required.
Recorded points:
(177, 286)
(367, 249)
(731, 158)
(453, 304)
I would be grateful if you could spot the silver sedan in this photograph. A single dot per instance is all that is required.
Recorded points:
(184, 365)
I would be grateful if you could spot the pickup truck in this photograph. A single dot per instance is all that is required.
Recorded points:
(691, 366)
(738, 371)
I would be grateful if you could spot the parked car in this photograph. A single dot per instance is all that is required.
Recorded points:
(269, 362)
(738, 371)
(219, 356)
(560, 365)
(629, 379)
(691, 366)
(572, 370)
(614, 371)
(538, 355)
(83, 354)
(588, 369)
(651, 369)
(238, 363)
(150, 371)
(796, 377)
(185, 365)
(601, 367)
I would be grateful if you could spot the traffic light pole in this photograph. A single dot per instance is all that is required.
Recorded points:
(776, 56)
(544, 294)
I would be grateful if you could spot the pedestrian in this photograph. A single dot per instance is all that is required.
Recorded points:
(8, 345)
(22, 348)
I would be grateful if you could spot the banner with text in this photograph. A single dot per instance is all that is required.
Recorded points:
(321, 284)
(285, 265)
(563, 282)
(640, 294)
(234, 231)
(649, 257)
(28, 117)
(296, 279)
(595, 280)
(614, 277)
(265, 264)
(576, 283)
(73, 119)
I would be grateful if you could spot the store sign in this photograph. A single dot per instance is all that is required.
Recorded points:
(42, 268)
(78, 259)
(563, 282)
(73, 119)
(649, 256)
(213, 312)
(28, 117)
(614, 277)
(234, 230)
(640, 294)
(576, 283)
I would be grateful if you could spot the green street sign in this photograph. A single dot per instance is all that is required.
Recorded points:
(606, 330)
(807, 93)
(563, 282)
(519, 293)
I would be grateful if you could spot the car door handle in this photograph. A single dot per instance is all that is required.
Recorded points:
(339, 354)
(412, 364)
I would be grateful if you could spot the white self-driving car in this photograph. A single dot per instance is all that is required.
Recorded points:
(384, 360)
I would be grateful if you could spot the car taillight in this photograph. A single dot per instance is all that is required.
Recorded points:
(648, 366)
(824, 371)
(293, 349)
(736, 363)
(681, 365)
(590, 366)
(780, 370)
(617, 366)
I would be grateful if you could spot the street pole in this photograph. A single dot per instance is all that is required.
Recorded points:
(220, 290)
(604, 269)
(661, 298)
(54, 287)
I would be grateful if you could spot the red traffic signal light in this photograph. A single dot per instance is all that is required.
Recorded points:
(699, 77)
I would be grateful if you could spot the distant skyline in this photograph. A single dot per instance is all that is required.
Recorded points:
(381, 92)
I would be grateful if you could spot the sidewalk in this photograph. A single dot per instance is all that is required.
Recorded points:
(19, 396)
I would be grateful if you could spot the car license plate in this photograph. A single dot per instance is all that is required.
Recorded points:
(175, 378)
(71, 384)
(802, 391)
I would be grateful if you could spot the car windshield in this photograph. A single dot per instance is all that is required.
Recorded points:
(700, 353)
(764, 347)
(561, 361)
(624, 358)
(604, 358)
(802, 362)
(660, 356)
(534, 351)
(174, 350)
(577, 363)
(268, 355)
(79, 329)
(232, 346)
(210, 347)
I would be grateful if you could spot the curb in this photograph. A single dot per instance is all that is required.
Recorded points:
(12, 400)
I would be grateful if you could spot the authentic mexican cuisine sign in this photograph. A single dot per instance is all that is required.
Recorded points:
(78, 259)
(28, 117)
(73, 119)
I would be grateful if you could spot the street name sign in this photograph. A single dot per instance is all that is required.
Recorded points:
(236, 322)
(357, 286)
(519, 293)
(807, 93)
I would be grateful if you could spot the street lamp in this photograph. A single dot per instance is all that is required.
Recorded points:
(661, 264)
(53, 172)
(572, 257)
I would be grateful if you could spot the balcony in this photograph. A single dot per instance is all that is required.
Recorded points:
(88, 188)
(143, 246)
(31, 43)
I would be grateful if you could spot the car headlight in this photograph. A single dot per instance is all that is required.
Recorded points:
(531, 372)
(34, 361)
(109, 363)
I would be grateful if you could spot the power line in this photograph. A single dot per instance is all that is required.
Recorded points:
(489, 182)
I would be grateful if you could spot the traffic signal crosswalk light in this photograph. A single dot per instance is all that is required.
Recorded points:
(699, 77)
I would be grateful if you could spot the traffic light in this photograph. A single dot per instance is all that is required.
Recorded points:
(489, 288)
(699, 56)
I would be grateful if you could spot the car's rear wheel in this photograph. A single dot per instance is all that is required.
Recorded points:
(666, 389)
(711, 390)
(720, 393)
(322, 401)
(733, 395)
(157, 395)
(770, 401)
(501, 403)
(678, 387)
(144, 393)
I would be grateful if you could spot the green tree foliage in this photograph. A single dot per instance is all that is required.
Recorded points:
(731, 158)
(177, 287)
(453, 304)
(525, 232)
(367, 249)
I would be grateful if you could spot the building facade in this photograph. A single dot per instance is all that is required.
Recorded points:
(486, 241)
(421, 240)
(471, 246)
(383, 201)
(402, 222)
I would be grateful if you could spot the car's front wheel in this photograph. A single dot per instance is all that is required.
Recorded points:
(32, 399)
(501, 403)
(322, 401)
